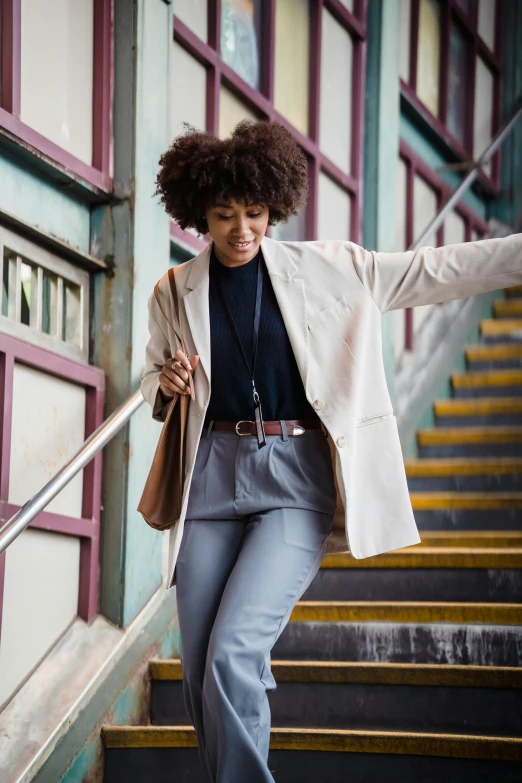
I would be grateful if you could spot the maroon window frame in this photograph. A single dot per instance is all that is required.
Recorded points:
(415, 166)
(262, 102)
(86, 528)
(452, 13)
(99, 173)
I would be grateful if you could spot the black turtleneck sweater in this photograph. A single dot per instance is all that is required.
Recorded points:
(276, 374)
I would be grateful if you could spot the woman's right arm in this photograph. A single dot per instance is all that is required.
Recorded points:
(159, 382)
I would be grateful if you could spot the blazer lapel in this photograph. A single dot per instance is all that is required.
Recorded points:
(289, 292)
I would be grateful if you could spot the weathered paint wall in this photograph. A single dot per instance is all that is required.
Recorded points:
(382, 147)
(136, 231)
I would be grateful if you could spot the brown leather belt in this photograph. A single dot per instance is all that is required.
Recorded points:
(246, 427)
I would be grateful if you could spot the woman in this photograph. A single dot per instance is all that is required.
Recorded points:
(292, 446)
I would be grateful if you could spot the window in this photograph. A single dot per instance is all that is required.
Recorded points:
(295, 62)
(45, 300)
(420, 195)
(56, 76)
(450, 71)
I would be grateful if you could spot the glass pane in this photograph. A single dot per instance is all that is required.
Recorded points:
(467, 5)
(189, 99)
(404, 42)
(293, 230)
(72, 311)
(292, 58)
(428, 55)
(483, 119)
(458, 84)
(454, 229)
(49, 303)
(57, 72)
(402, 173)
(241, 38)
(486, 22)
(193, 13)
(231, 111)
(5, 283)
(424, 209)
(335, 126)
(334, 210)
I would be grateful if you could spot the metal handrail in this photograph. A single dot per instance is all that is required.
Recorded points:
(25, 515)
(94, 443)
(469, 178)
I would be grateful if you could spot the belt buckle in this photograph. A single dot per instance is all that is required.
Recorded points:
(297, 430)
(240, 422)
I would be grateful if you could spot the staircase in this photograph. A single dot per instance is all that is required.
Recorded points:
(407, 666)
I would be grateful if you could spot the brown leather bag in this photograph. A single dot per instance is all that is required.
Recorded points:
(160, 502)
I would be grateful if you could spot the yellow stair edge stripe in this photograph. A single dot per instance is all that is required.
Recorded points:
(421, 501)
(407, 612)
(461, 466)
(469, 406)
(511, 306)
(484, 351)
(514, 290)
(450, 675)
(465, 538)
(420, 556)
(478, 378)
(491, 326)
(459, 435)
(343, 740)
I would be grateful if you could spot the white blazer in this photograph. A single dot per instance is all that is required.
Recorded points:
(331, 295)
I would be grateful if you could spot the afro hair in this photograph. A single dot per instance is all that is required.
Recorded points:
(260, 163)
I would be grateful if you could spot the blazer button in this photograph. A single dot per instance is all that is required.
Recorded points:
(318, 404)
(341, 441)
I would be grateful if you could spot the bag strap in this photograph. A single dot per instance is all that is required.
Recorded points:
(177, 332)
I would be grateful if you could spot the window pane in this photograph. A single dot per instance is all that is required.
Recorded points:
(57, 72)
(334, 210)
(348, 4)
(404, 42)
(424, 210)
(402, 173)
(193, 13)
(231, 111)
(428, 55)
(189, 80)
(292, 58)
(293, 229)
(467, 5)
(241, 38)
(458, 84)
(335, 131)
(454, 229)
(483, 118)
(486, 22)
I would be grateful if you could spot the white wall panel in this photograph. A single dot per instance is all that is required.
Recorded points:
(40, 600)
(48, 427)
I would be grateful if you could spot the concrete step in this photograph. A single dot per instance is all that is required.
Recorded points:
(410, 640)
(487, 356)
(478, 411)
(467, 510)
(311, 755)
(501, 330)
(488, 383)
(464, 474)
(427, 573)
(514, 291)
(471, 538)
(508, 308)
(343, 695)
(470, 441)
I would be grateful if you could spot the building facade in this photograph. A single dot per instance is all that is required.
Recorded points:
(391, 100)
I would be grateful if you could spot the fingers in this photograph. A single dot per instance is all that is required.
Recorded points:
(175, 378)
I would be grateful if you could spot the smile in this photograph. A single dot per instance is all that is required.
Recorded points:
(241, 245)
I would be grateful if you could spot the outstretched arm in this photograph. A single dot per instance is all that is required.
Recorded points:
(431, 275)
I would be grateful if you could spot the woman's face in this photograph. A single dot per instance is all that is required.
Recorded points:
(237, 230)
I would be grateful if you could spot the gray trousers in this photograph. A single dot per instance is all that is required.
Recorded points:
(254, 538)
